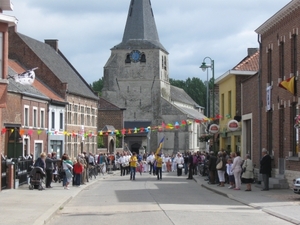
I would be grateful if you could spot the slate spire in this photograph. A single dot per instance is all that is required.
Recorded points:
(140, 30)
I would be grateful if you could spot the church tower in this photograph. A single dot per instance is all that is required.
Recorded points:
(136, 75)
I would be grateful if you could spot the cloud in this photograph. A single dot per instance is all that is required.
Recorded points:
(190, 30)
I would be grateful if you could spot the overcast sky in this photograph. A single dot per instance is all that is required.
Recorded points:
(190, 30)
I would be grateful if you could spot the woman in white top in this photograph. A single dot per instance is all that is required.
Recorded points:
(237, 169)
(179, 162)
(121, 162)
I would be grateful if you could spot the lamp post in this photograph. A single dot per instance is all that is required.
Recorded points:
(204, 66)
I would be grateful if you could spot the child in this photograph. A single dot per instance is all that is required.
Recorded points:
(230, 174)
(141, 166)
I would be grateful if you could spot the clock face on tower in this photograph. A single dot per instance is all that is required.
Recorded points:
(135, 56)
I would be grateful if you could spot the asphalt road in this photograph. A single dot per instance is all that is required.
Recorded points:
(172, 200)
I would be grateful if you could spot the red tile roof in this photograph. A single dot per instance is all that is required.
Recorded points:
(250, 63)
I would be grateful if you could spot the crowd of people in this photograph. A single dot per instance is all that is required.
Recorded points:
(232, 169)
(220, 169)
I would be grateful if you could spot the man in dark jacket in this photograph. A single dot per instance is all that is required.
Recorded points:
(190, 165)
(49, 169)
(212, 162)
(265, 168)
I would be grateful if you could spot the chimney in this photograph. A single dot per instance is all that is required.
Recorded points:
(53, 43)
(252, 51)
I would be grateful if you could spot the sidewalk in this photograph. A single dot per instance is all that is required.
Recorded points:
(282, 203)
(34, 207)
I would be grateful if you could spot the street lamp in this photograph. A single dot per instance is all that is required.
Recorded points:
(204, 66)
(207, 96)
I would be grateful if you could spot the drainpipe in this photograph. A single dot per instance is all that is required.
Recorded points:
(259, 97)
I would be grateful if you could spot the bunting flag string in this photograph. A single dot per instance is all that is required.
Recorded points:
(135, 130)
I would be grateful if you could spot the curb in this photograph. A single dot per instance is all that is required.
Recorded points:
(283, 217)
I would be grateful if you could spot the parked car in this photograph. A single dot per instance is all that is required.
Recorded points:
(297, 186)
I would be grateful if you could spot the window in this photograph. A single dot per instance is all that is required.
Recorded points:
(42, 118)
(34, 117)
(82, 119)
(26, 116)
(69, 107)
(88, 120)
(143, 58)
(61, 121)
(229, 104)
(222, 106)
(52, 120)
(281, 60)
(93, 121)
(127, 60)
(269, 65)
(69, 117)
(294, 54)
(75, 118)
(88, 110)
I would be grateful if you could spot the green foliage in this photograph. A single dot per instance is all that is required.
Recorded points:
(97, 86)
(194, 87)
(205, 138)
(100, 142)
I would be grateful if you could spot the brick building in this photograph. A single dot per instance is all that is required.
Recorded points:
(280, 58)
(80, 118)
(5, 23)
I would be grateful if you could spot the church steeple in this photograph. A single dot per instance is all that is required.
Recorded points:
(140, 30)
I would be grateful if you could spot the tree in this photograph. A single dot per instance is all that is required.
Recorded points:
(194, 87)
(97, 86)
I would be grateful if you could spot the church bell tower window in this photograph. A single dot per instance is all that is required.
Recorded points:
(127, 60)
(143, 58)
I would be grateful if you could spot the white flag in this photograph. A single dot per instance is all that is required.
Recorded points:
(26, 78)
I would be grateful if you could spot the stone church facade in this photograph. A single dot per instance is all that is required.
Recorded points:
(136, 77)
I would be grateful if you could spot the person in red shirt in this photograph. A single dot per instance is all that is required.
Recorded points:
(77, 169)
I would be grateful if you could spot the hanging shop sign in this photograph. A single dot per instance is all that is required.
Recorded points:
(214, 128)
(233, 125)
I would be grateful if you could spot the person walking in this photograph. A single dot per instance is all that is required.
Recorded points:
(150, 160)
(133, 162)
(247, 176)
(265, 168)
(190, 166)
(159, 162)
(237, 170)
